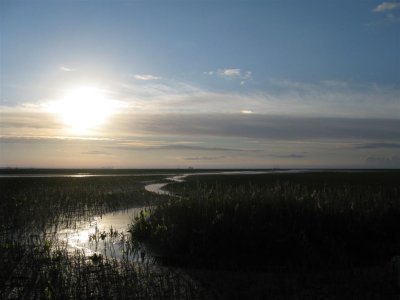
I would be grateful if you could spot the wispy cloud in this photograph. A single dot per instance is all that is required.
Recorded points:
(383, 161)
(234, 73)
(202, 158)
(284, 97)
(386, 6)
(96, 152)
(146, 77)
(293, 155)
(36, 139)
(266, 127)
(246, 111)
(146, 147)
(66, 69)
(377, 146)
(285, 110)
(231, 73)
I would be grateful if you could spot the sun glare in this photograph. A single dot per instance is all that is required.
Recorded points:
(84, 109)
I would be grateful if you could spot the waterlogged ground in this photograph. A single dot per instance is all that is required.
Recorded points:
(106, 234)
(90, 215)
(65, 237)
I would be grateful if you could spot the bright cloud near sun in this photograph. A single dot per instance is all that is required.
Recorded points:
(77, 95)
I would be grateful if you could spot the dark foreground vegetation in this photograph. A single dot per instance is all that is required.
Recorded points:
(35, 265)
(305, 222)
(321, 235)
(30, 204)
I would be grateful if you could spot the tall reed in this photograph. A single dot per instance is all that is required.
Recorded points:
(283, 222)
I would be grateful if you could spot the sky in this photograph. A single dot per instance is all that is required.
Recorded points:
(197, 83)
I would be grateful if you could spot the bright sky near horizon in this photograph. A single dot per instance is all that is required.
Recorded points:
(224, 84)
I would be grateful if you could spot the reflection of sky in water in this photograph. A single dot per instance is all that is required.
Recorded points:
(157, 188)
(117, 244)
(79, 237)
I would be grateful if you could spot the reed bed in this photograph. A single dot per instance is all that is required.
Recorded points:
(41, 273)
(35, 204)
(307, 221)
(34, 264)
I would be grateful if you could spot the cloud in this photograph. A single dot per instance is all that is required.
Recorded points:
(377, 146)
(268, 127)
(392, 18)
(293, 155)
(279, 97)
(95, 152)
(15, 139)
(66, 69)
(246, 111)
(146, 77)
(386, 6)
(202, 148)
(233, 73)
(230, 72)
(300, 111)
(143, 146)
(383, 161)
(200, 158)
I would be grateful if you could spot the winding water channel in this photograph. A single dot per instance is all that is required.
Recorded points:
(108, 234)
(87, 235)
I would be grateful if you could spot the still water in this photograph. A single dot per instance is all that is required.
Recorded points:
(108, 234)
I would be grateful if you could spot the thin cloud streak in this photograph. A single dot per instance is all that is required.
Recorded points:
(204, 158)
(233, 73)
(137, 147)
(265, 127)
(383, 161)
(280, 97)
(378, 146)
(146, 77)
(386, 6)
(293, 155)
(262, 126)
(96, 152)
(66, 69)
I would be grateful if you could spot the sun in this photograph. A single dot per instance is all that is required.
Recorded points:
(84, 109)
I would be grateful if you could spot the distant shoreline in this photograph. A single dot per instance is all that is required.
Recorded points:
(78, 173)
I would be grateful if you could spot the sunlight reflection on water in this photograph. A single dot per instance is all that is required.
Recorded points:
(87, 236)
(108, 234)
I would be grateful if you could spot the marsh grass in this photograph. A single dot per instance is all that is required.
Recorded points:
(39, 273)
(34, 264)
(36, 204)
(282, 236)
(310, 221)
